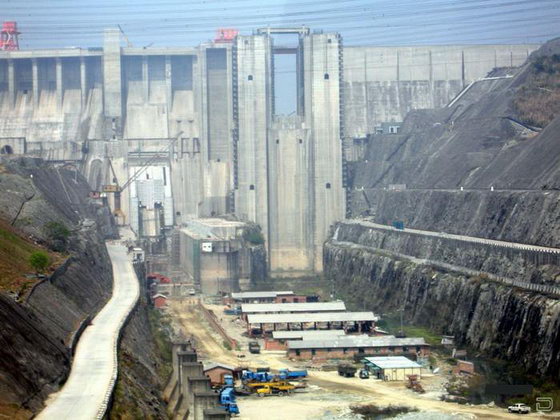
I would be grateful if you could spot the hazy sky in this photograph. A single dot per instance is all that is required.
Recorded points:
(64, 23)
(55, 23)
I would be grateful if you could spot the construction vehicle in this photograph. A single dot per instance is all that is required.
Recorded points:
(228, 400)
(348, 371)
(292, 374)
(250, 376)
(414, 384)
(254, 347)
(275, 388)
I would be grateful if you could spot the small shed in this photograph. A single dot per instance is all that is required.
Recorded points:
(216, 371)
(159, 300)
(391, 368)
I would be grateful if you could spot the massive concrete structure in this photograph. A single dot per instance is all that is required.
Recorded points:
(197, 127)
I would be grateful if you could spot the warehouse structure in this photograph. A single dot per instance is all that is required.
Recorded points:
(286, 296)
(290, 308)
(349, 321)
(279, 340)
(391, 368)
(348, 346)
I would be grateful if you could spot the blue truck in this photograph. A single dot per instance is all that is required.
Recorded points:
(292, 374)
(283, 374)
(228, 400)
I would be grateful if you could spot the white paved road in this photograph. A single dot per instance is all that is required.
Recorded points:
(94, 369)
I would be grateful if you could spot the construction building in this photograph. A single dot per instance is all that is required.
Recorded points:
(279, 340)
(290, 308)
(349, 321)
(349, 346)
(391, 368)
(265, 297)
(213, 254)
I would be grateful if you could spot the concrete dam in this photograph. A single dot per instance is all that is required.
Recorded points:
(183, 133)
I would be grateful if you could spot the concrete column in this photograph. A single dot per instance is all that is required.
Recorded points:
(168, 82)
(112, 89)
(145, 79)
(35, 82)
(188, 356)
(83, 83)
(196, 385)
(11, 82)
(59, 90)
(202, 401)
(216, 414)
(189, 370)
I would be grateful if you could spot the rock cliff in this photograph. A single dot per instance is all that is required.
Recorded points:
(486, 167)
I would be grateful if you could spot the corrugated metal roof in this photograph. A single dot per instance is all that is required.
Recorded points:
(256, 295)
(307, 334)
(212, 365)
(392, 362)
(356, 341)
(254, 308)
(308, 317)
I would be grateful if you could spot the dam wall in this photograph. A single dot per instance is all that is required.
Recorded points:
(382, 84)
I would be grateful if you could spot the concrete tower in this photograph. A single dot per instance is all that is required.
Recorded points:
(289, 169)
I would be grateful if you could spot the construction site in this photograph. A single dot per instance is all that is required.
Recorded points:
(376, 238)
(238, 369)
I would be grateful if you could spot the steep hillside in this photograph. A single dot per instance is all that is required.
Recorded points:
(50, 209)
(478, 144)
(486, 166)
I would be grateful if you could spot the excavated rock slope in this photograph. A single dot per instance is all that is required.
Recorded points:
(40, 328)
(478, 143)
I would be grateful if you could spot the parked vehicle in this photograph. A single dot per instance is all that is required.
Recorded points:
(519, 408)
(292, 374)
(192, 292)
(364, 374)
(348, 371)
(254, 347)
(275, 388)
(228, 400)
(232, 311)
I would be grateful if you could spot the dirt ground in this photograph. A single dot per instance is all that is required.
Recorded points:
(328, 395)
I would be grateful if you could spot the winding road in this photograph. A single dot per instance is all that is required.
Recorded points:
(86, 393)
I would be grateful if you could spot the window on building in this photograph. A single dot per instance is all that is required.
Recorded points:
(300, 141)
(328, 186)
(313, 352)
(298, 353)
(277, 141)
(405, 349)
(326, 76)
(345, 350)
(361, 351)
(283, 300)
(250, 77)
(296, 300)
(251, 187)
(417, 349)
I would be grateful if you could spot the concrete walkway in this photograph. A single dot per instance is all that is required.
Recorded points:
(94, 370)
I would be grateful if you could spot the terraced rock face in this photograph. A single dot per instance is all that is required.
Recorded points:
(509, 171)
(499, 321)
(39, 326)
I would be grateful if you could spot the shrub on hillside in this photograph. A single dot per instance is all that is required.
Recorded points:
(39, 261)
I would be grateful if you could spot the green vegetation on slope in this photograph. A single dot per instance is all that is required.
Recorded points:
(15, 253)
(538, 100)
